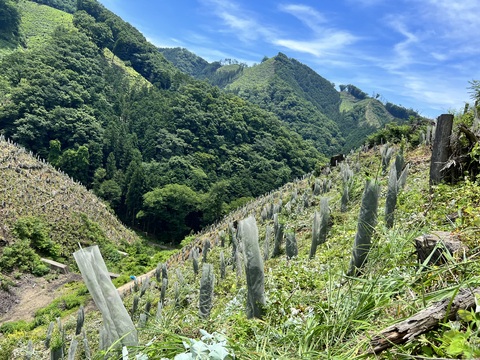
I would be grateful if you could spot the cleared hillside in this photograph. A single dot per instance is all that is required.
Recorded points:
(312, 309)
(39, 21)
(32, 187)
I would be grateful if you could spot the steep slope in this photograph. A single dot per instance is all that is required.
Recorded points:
(30, 187)
(304, 100)
(308, 103)
(218, 73)
(362, 117)
(39, 21)
(312, 309)
(185, 61)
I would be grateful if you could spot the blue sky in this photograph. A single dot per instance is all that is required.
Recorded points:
(417, 53)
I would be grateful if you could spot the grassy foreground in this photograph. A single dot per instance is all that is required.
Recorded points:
(313, 310)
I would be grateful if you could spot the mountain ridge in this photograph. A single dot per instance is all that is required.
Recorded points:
(268, 83)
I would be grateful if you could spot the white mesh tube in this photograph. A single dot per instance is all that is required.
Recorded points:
(116, 320)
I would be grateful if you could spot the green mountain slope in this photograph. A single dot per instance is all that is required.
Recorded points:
(309, 104)
(185, 61)
(76, 99)
(362, 117)
(305, 101)
(39, 21)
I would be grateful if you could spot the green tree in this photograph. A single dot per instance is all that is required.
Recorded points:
(135, 190)
(75, 163)
(111, 192)
(99, 33)
(9, 19)
(214, 203)
(111, 166)
(54, 152)
(170, 207)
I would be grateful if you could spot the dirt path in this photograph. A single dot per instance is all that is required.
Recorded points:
(30, 294)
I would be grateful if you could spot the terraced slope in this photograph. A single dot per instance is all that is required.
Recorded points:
(32, 187)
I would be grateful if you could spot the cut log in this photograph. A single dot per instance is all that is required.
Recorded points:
(438, 243)
(59, 267)
(424, 321)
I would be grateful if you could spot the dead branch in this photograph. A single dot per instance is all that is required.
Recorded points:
(424, 321)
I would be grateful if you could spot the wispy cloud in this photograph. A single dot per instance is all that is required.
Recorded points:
(324, 40)
(366, 3)
(321, 40)
(306, 14)
(410, 57)
(241, 22)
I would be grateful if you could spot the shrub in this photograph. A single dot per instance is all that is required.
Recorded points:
(14, 326)
(37, 231)
(21, 256)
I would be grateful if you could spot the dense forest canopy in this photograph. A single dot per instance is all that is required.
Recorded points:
(9, 20)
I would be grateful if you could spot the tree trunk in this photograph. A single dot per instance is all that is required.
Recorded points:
(441, 148)
(424, 321)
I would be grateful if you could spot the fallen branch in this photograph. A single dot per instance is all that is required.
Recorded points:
(469, 134)
(424, 321)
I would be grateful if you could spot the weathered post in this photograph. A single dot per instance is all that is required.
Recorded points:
(441, 148)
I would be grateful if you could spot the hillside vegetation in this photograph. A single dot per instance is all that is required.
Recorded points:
(39, 22)
(98, 101)
(312, 309)
(272, 253)
(306, 102)
(302, 99)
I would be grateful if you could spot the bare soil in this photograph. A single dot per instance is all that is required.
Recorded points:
(29, 294)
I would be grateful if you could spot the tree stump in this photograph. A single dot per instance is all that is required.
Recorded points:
(441, 148)
(438, 242)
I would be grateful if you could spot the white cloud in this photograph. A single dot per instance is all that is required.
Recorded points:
(306, 14)
(164, 43)
(325, 40)
(366, 3)
(328, 44)
(239, 21)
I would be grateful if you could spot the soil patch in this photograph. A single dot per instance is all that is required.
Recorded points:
(31, 293)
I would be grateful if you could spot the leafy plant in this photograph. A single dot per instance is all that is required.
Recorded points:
(23, 257)
(34, 229)
(210, 346)
(459, 338)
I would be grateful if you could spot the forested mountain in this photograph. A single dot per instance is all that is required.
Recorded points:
(310, 105)
(306, 102)
(168, 153)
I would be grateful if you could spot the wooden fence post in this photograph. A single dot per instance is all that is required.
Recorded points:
(441, 148)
